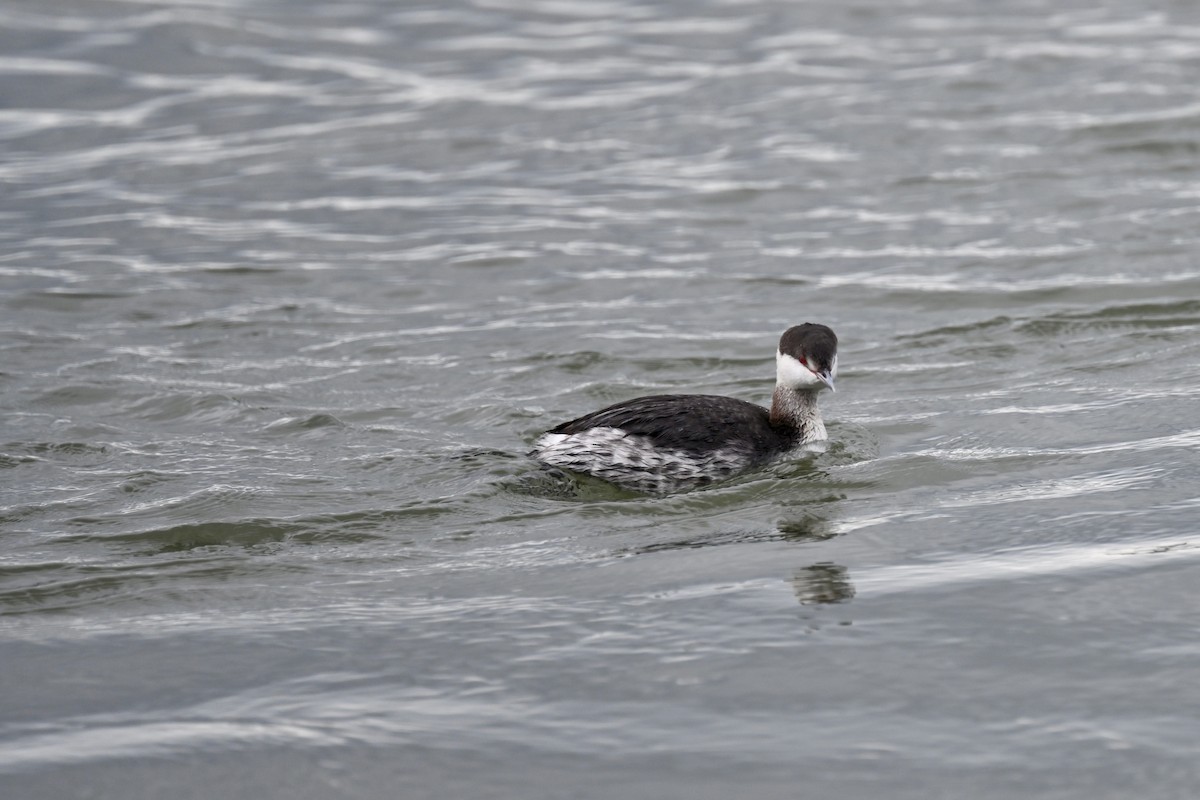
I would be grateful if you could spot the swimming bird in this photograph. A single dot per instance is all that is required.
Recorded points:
(669, 442)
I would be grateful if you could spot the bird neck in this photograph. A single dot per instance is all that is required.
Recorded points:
(795, 410)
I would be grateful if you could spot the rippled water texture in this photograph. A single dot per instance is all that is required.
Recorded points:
(288, 288)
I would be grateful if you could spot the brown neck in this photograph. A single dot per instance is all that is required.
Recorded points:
(796, 410)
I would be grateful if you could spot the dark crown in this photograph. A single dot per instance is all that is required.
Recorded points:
(810, 341)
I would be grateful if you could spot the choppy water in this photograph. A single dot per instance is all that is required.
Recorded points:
(288, 288)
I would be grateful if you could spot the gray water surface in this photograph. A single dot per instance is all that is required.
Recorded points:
(288, 288)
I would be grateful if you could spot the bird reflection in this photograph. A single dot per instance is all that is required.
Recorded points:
(822, 583)
(808, 526)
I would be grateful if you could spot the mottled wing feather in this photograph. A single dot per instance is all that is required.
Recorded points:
(688, 423)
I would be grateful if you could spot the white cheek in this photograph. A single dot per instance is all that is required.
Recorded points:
(790, 372)
(833, 367)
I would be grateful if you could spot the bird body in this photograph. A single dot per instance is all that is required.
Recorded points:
(662, 443)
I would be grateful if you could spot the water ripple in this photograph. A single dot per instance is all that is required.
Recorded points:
(288, 288)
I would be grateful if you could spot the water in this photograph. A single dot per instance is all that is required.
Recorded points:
(288, 288)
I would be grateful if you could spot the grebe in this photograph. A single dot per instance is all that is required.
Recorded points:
(664, 443)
